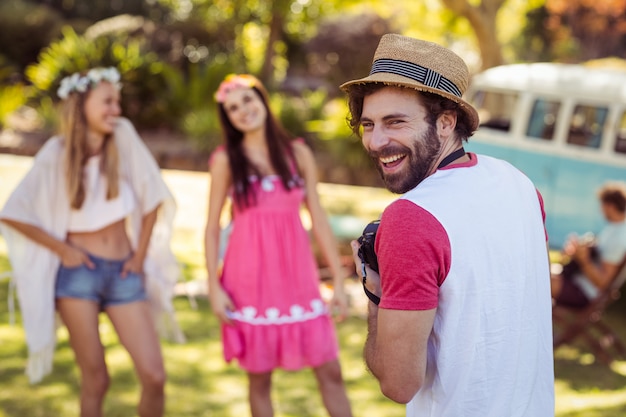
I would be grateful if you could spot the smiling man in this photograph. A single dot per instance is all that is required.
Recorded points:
(463, 324)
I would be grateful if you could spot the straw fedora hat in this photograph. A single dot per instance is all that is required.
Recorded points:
(420, 65)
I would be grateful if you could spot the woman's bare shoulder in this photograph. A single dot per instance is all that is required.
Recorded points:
(218, 156)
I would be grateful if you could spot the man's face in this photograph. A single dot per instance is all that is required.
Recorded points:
(398, 138)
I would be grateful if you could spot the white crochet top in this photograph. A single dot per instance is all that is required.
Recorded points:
(97, 212)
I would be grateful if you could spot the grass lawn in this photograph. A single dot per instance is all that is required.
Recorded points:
(201, 384)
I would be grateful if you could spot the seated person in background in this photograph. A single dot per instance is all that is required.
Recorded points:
(575, 287)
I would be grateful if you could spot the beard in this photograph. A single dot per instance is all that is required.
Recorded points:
(420, 157)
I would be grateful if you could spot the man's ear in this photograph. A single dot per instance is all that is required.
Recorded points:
(446, 123)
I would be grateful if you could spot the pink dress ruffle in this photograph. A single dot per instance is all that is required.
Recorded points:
(270, 273)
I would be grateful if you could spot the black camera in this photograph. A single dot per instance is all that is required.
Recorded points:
(366, 250)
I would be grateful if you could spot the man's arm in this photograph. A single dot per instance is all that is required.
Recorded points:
(398, 330)
(395, 349)
(599, 275)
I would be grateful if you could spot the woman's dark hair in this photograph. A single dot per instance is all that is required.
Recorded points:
(434, 103)
(279, 147)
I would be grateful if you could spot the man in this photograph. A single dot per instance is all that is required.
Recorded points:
(582, 280)
(463, 327)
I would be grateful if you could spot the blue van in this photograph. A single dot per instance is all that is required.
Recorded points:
(564, 126)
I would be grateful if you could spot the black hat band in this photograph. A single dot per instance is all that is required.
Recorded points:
(416, 72)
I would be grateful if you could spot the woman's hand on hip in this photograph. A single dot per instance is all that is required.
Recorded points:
(133, 265)
(72, 257)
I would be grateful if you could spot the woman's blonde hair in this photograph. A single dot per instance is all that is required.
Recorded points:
(74, 132)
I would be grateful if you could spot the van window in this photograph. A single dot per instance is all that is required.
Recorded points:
(587, 125)
(495, 109)
(620, 141)
(543, 119)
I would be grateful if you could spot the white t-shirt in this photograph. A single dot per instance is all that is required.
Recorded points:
(470, 241)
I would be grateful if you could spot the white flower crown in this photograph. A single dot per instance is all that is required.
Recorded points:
(81, 83)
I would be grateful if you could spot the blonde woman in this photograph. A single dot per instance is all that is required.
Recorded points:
(81, 234)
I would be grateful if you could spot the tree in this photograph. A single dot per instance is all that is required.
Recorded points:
(482, 18)
(597, 26)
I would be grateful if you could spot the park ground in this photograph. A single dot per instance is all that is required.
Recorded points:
(201, 384)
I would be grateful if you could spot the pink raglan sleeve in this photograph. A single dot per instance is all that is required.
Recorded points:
(414, 257)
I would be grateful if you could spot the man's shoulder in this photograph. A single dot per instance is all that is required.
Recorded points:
(488, 160)
(405, 213)
(402, 206)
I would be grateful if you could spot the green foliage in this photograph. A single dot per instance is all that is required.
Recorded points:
(342, 50)
(191, 96)
(140, 69)
(12, 97)
(25, 29)
(7, 70)
(75, 53)
(295, 111)
(333, 129)
(71, 54)
(48, 114)
(201, 125)
(173, 53)
(94, 10)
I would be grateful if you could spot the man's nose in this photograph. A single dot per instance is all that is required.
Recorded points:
(378, 138)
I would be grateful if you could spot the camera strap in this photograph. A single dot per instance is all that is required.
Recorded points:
(451, 157)
(373, 297)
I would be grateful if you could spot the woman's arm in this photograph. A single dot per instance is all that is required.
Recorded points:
(320, 225)
(221, 180)
(69, 255)
(135, 263)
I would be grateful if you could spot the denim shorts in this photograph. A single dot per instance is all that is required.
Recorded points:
(103, 284)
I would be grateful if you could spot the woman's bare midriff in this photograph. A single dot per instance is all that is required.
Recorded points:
(110, 242)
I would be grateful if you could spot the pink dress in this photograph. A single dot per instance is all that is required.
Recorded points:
(271, 275)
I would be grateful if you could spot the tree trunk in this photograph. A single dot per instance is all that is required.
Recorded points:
(482, 18)
(275, 35)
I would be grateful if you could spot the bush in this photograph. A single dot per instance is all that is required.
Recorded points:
(12, 97)
(139, 68)
(330, 57)
(161, 89)
(190, 94)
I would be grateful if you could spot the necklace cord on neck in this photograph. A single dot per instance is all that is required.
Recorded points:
(451, 157)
